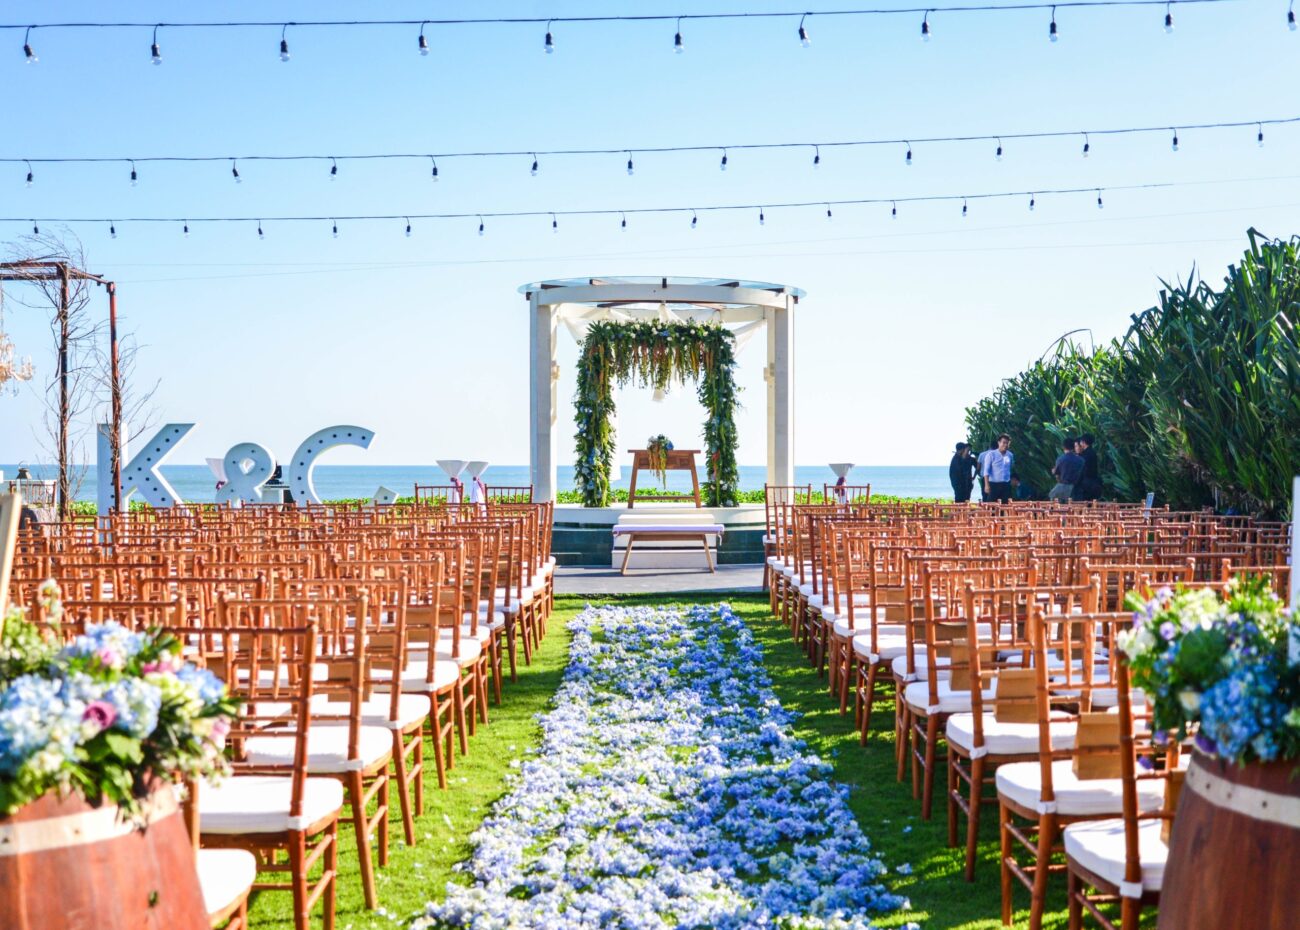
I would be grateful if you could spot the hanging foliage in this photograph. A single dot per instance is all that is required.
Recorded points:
(651, 354)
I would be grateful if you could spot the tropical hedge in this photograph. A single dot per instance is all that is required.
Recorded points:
(655, 355)
(1199, 402)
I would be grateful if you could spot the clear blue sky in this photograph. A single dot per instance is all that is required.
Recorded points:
(424, 339)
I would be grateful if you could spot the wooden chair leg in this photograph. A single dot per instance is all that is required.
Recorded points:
(298, 879)
(418, 774)
(436, 710)
(1004, 840)
(954, 785)
(1073, 890)
(331, 874)
(462, 726)
(873, 668)
(356, 799)
(977, 767)
(403, 786)
(931, 754)
(1043, 854)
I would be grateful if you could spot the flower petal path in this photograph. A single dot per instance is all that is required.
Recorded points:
(668, 792)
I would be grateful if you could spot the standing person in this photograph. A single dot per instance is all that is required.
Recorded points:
(1089, 486)
(1068, 471)
(979, 467)
(961, 473)
(996, 472)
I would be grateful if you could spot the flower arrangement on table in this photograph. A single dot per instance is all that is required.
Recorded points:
(658, 447)
(102, 714)
(1219, 665)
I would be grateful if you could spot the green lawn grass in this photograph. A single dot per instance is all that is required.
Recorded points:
(940, 898)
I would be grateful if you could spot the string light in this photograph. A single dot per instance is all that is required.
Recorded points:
(533, 170)
(1169, 18)
(260, 234)
(1175, 139)
(963, 208)
(722, 166)
(112, 230)
(334, 229)
(155, 53)
(1100, 205)
(480, 225)
(925, 27)
(694, 219)
(284, 43)
(828, 211)
(234, 171)
(908, 159)
(555, 224)
(1087, 146)
(27, 47)
(893, 210)
(804, 40)
(1290, 16)
(630, 166)
(1051, 30)
(817, 156)
(135, 178)
(30, 176)
(185, 230)
(434, 162)
(677, 39)
(761, 218)
(998, 153)
(408, 227)
(1031, 202)
(423, 43)
(36, 230)
(624, 223)
(1259, 138)
(550, 40)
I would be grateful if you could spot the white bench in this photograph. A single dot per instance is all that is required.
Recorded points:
(680, 532)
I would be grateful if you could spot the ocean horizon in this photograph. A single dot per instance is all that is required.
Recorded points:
(196, 483)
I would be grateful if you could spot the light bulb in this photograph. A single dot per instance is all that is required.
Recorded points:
(629, 165)
(31, 178)
(550, 42)
(36, 230)
(1290, 20)
(817, 158)
(555, 224)
(1051, 30)
(761, 219)
(1087, 146)
(677, 44)
(909, 154)
(1100, 205)
(112, 231)
(260, 234)
(722, 166)
(1031, 201)
(963, 209)
(480, 225)
(234, 173)
(434, 175)
(533, 170)
(828, 211)
(624, 224)
(335, 231)
(1174, 143)
(284, 50)
(186, 229)
(1259, 138)
(334, 170)
(424, 45)
(998, 153)
(135, 178)
(925, 28)
(893, 211)
(408, 229)
(1169, 22)
(804, 39)
(32, 59)
(694, 220)
(155, 54)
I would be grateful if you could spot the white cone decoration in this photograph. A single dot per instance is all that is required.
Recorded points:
(453, 468)
(478, 490)
(841, 470)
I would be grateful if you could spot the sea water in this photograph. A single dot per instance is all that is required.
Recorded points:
(197, 483)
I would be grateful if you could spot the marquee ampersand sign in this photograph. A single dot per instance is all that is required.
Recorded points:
(244, 484)
(304, 460)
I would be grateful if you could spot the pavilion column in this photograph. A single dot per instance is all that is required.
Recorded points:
(542, 390)
(779, 375)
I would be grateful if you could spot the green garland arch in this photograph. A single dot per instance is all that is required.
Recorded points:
(654, 354)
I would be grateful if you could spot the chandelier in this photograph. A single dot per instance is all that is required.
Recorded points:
(11, 370)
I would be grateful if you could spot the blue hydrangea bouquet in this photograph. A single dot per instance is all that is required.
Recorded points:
(102, 714)
(1219, 665)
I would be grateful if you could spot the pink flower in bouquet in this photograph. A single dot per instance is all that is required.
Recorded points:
(166, 664)
(220, 729)
(100, 713)
(110, 658)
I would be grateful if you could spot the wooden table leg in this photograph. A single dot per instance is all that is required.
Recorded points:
(627, 553)
(708, 556)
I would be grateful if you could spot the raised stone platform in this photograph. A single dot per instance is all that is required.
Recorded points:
(584, 535)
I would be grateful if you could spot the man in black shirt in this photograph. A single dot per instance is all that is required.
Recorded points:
(961, 473)
(1089, 485)
(1068, 471)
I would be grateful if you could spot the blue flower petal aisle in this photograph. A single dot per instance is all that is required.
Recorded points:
(668, 791)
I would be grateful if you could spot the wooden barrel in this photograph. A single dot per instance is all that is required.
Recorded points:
(65, 865)
(1234, 854)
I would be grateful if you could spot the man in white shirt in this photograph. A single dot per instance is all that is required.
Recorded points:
(979, 467)
(995, 469)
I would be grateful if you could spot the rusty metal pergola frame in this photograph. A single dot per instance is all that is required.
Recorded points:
(65, 273)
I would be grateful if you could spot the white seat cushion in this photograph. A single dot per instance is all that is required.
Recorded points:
(1094, 797)
(1098, 846)
(1006, 739)
(922, 673)
(415, 677)
(890, 646)
(225, 876)
(917, 696)
(862, 613)
(376, 712)
(260, 804)
(327, 748)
